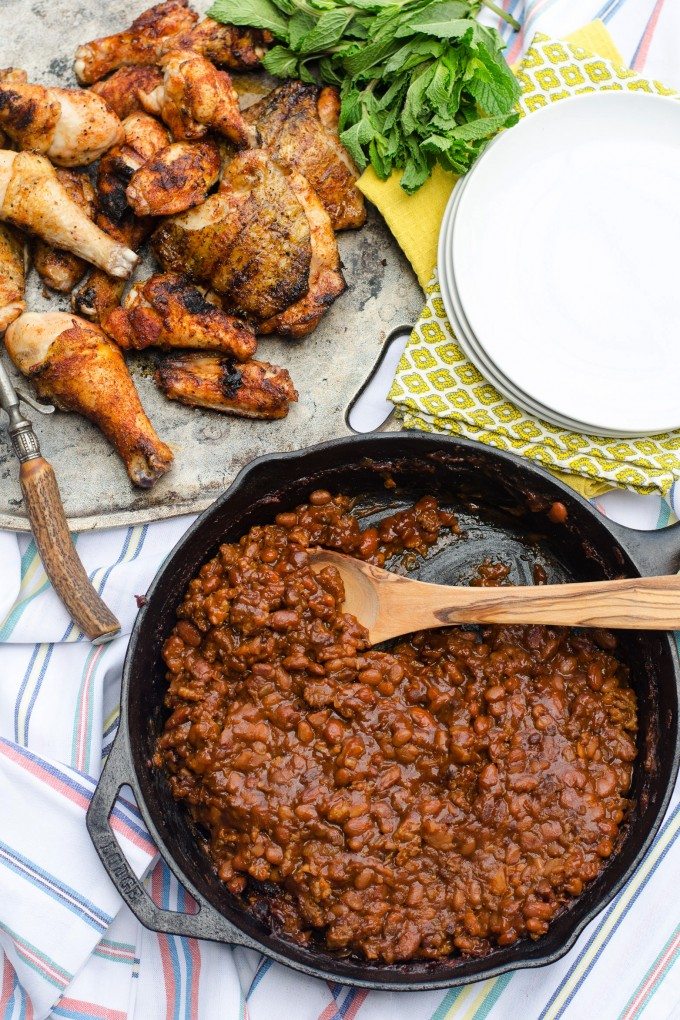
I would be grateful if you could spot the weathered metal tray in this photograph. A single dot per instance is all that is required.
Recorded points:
(328, 367)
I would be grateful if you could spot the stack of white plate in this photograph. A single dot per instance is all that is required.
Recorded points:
(559, 263)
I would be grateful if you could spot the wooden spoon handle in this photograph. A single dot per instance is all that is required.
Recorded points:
(58, 554)
(640, 603)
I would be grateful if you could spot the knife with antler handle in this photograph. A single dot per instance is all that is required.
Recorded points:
(48, 521)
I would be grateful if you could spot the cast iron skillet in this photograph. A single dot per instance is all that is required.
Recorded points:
(503, 503)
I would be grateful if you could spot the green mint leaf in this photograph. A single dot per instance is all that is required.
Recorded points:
(298, 27)
(251, 14)
(439, 26)
(280, 62)
(328, 30)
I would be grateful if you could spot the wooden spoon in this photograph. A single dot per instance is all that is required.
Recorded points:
(389, 605)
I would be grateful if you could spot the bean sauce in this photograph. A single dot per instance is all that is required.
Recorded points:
(442, 797)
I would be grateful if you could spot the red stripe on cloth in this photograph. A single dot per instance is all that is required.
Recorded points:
(7, 990)
(164, 949)
(359, 1000)
(330, 1010)
(91, 1009)
(646, 41)
(652, 980)
(34, 768)
(195, 952)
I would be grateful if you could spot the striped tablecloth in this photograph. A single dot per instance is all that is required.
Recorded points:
(68, 948)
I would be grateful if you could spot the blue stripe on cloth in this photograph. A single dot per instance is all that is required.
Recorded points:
(184, 945)
(101, 585)
(22, 688)
(75, 1014)
(36, 689)
(265, 964)
(172, 946)
(54, 887)
(605, 918)
(124, 810)
(609, 9)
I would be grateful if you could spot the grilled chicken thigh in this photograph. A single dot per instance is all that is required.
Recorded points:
(169, 311)
(326, 281)
(195, 97)
(69, 126)
(58, 269)
(250, 242)
(175, 179)
(72, 363)
(255, 389)
(122, 90)
(12, 276)
(299, 124)
(32, 198)
(142, 43)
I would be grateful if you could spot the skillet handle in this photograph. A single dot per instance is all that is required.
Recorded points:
(206, 924)
(655, 552)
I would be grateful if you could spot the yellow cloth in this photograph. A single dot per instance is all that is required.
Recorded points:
(436, 388)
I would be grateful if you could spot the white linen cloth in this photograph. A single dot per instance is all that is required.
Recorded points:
(69, 948)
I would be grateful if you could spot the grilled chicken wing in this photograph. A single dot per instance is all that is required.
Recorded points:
(32, 198)
(255, 389)
(123, 89)
(227, 45)
(250, 241)
(144, 136)
(142, 43)
(175, 179)
(72, 363)
(69, 126)
(326, 281)
(169, 311)
(61, 270)
(12, 276)
(194, 97)
(299, 123)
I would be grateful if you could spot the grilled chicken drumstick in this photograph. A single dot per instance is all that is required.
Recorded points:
(239, 49)
(32, 198)
(175, 179)
(12, 276)
(169, 311)
(142, 43)
(326, 281)
(59, 269)
(195, 97)
(298, 123)
(72, 363)
(255, 389)
(70, 126)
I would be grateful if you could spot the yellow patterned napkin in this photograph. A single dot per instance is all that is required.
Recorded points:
(437, 389)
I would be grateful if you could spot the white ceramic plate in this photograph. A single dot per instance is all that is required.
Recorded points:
(468, 341)
(565, 259)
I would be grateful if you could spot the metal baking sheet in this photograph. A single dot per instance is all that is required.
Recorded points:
(328, 367)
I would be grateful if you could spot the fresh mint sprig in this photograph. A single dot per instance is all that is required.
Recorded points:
(421, 81)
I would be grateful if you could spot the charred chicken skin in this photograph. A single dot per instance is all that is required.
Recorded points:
(61, 270)
(12, 276)
(239, 49)
(254, 389)
(32, 198)
(169, 311)
(75, 365)
(250, 242)
(175, 179)
(142, 43)
(299, 124)
(69, 126)
(326, 281)
(196, 97)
